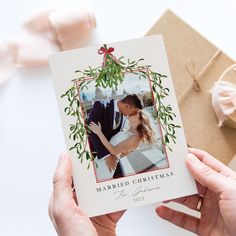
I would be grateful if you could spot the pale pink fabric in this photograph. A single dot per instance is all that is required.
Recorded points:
(72, 27)
(48, 30)
(223, 100)
(7, 60)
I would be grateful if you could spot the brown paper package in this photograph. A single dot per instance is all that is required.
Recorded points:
(192, 56)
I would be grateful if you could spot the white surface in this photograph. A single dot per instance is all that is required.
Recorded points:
(31, 136)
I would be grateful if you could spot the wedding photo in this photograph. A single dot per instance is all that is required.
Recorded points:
(124, 137)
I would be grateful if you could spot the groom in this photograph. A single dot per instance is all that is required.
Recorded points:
(111, 117)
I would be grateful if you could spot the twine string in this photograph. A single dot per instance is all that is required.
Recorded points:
(195, 84)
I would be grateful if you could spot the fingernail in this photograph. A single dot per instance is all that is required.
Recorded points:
(167, 201)
(192, 158)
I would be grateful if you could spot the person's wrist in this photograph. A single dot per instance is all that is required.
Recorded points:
(99, 132)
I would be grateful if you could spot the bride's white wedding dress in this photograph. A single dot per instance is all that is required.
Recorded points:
(102, 172)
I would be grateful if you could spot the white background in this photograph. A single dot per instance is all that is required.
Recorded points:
(31, 136)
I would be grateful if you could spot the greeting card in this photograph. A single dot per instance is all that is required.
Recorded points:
(122, 125)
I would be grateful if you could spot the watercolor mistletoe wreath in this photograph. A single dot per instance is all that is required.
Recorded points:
(110, 75)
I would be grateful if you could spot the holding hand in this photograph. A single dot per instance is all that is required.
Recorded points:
(67, 217)
(217, 195)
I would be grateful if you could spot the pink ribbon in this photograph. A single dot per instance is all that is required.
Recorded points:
(106, 52)
(48, 30)
(223, 100)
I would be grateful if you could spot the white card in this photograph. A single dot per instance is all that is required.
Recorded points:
(137, 156)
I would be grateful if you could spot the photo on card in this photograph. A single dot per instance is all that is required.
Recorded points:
(142, 155)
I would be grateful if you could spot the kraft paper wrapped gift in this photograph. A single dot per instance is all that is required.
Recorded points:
(196, 64)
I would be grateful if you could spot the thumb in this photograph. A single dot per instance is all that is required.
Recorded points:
(62, 180)
(206, 176)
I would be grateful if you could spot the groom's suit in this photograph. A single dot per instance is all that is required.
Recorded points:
(105, 115)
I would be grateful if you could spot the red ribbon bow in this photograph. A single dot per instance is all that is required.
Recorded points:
(106, 51)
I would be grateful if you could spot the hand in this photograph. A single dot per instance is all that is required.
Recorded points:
(95, 128)
(217, 191)
(111, 162)
(67, 217)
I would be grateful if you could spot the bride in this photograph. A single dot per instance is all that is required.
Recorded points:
(140, 130)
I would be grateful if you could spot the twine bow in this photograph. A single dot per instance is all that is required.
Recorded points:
(190, 68)
(107, 51)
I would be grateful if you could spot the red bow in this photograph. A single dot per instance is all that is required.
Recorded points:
(106, 51)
